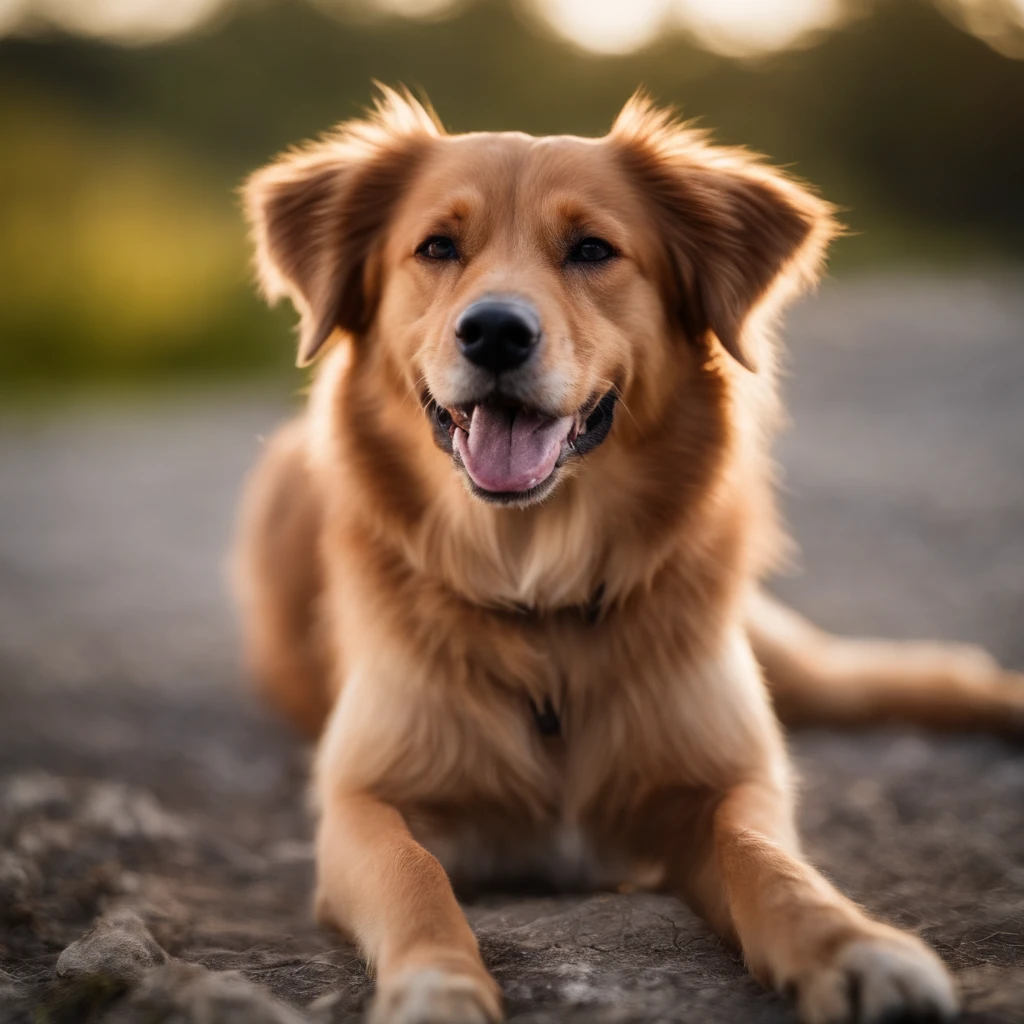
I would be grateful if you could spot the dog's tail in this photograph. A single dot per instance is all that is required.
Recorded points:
(816, 678)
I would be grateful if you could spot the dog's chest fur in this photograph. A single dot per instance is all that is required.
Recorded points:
(543, 835)
(566, 810)
(563, 858)
(443, 713)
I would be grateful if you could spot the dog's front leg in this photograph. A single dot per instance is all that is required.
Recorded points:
(797, 933)
(376, 883)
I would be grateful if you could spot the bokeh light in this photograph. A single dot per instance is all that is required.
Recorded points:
(998, 22)
(416, 10)
(124, 20)
(741, 27)
(606, 26)
(122, 251)
(733, 27)
(737, 28)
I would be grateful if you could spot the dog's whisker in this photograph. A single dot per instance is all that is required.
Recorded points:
(616, 390)
(415, 386)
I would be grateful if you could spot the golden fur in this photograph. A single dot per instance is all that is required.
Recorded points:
(412, 625)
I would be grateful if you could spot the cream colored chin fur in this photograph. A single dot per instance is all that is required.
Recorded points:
(411, 626)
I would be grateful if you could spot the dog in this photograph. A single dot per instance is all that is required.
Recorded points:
(506, 564)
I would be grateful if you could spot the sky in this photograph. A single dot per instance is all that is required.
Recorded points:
(732, 27)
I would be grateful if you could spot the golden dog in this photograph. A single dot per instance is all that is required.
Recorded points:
(506, 563)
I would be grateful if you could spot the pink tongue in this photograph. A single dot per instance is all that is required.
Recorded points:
(510, 450)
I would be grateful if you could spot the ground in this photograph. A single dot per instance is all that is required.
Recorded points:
(139, 780)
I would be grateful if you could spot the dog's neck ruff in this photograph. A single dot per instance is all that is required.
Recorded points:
(590, 612)
(546, 718)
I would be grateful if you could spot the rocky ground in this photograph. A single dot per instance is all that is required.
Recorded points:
(143, 795)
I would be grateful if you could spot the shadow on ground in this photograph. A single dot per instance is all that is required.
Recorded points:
(138, 780)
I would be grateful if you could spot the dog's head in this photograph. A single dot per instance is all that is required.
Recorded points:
(523, 288)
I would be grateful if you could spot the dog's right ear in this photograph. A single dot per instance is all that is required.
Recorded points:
(317, 215)
(739, 236)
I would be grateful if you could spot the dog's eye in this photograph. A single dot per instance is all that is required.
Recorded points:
(591, 250)
(438, 247)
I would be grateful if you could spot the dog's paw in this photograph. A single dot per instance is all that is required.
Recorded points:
(873, 979)
(435, 996)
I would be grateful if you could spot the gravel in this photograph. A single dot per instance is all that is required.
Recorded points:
(155, 858)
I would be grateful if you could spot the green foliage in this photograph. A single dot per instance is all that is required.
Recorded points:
(122, 253)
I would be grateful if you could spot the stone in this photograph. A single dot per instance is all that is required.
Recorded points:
(190, 994)
(119, 661)
(119, 947)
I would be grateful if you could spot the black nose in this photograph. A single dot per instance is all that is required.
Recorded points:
(498, 334)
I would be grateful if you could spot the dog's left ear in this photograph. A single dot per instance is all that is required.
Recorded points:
(317, 216)
(739, 237)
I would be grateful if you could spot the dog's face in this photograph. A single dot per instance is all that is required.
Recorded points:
(523, 287)
(519, 294)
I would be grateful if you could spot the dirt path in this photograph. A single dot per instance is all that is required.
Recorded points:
(135, 773)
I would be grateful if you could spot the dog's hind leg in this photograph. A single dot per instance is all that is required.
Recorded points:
(278, 583)
(816, 678)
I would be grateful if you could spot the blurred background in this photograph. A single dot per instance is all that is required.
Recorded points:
(140, 375)
(126, 126)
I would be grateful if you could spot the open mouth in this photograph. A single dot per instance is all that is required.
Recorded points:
(511, 452)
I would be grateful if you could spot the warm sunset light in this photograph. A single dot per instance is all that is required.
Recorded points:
(417, 8)
(727, 26)
(606, 26)
(424, 10)
(744, 26)
(443, 578)
(998, 22)
(127, 20)
(738, 28)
